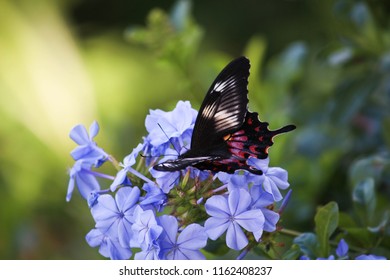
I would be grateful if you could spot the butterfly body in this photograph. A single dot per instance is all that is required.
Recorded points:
(226, 134)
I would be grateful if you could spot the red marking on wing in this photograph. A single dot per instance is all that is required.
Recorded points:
(253, 139)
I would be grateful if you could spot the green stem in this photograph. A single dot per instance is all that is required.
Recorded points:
(290, 232)
(115, 163)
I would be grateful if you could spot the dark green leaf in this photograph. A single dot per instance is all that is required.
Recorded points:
(360, 237)
(326, 220)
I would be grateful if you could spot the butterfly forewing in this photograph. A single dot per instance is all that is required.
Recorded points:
(224, 108)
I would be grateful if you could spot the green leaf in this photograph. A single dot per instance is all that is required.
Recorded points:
(364, 198)
(361, 237)
(293, 253)
(216, 247)
(326, 220)
(308, 244)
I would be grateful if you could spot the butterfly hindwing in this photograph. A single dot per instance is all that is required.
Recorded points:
(252, 139)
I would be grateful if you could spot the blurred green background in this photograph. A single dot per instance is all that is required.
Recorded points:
(322, 65)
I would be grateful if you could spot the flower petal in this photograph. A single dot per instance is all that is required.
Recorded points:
(106, 207)
(270, 187)
(342, 248)
(235, 237)
(126, 198)
(217, 206)
(216, 227)
(170, 226)
(94, 238)
(271, 219)
(120, 177)
(258, 234)
(93, 130)
(252, 220)
(125, 233)
(260, 198)
(193, 237)
(184, 254)
(79, 135)
(239, 201)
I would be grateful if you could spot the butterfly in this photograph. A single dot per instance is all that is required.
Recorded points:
(225, 133)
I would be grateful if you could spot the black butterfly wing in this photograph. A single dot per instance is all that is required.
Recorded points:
(224, 108)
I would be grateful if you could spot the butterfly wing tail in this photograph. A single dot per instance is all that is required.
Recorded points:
(284, 129)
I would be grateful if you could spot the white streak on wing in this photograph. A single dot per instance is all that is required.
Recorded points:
(219, 86)
(228, 113)
(198, 159)
(207, 111)
(227, 117)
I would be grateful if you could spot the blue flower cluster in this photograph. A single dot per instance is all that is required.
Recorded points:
(171, 215)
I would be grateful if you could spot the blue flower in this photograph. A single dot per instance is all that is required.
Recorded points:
(230, 214)
(155, 198)
(166, 180)
(182, 246)
(176, 123)
(108, 247)
(121, 177)
(87, 149)
(261, 200)
(114, 218)
(81, 175)
(166, 128)
(275, 178)
(151, 250)
(92, 198)
(144, 223)
(285, 202)
(342, 249)
(87, 156)
(237, 181)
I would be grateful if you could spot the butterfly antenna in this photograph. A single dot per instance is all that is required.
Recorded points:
(169, 139)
